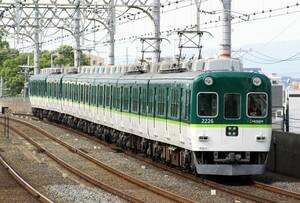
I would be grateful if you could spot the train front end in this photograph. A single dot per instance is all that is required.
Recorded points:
(231, 123)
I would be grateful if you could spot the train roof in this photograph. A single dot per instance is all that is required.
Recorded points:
(179, 76)
(39, 77)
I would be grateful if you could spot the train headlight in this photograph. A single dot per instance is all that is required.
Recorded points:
(208, 81)
(256, 81)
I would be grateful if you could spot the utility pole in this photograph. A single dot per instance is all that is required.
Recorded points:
(225, 50)
(77, 34)
(156, 19)
(112, 30)
(37, 40)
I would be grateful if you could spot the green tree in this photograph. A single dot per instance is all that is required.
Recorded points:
(64, 55)
(11, 72)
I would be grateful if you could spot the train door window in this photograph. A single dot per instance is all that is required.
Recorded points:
(232, 106)
(80, 93)
(107, 96)
(93, 94)
(48, 89)
(70, 91)
(186, 105)
(144, 101)
(161, 102)
(53, 90)
(174, 103)
(135, 98)
(114, 97)
(257, 105)
(101, 100)
(207, 104)
(63, 90)
(150, 101)
(67, 91)
(83, 93)
(126, 99)
(56, 89)
(119, 96)
(87, 93)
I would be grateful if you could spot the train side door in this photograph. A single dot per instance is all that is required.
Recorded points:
(151, 110)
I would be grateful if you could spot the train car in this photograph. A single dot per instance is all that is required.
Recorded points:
(210, 121)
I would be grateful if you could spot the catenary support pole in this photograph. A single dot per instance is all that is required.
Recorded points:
(225, 50)
(156, 18)
(77, 34)
(37, 40)
(112, 30)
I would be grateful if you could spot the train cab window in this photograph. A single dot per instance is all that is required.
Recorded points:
(207, 104)
(257, 105)
(232, 106)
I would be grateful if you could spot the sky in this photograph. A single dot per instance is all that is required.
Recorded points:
(272, 43)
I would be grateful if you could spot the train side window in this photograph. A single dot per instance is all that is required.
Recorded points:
(232, 106)
(257, 105)
(207, 104)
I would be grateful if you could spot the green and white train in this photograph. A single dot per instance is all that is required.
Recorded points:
(214, 119)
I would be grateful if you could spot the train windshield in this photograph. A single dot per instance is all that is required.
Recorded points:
(207, 104)
(257, 104)
(232, 106)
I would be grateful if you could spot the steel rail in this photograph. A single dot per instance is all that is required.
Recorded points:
(35, 193)
(77, 172)
(209, 183)
(277, 190)
(166, 194)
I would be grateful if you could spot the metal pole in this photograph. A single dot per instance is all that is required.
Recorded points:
(225, 50)
(112, 30)
(77, 34)
(287, 121)
(156, 18)
(37, 41)
(198, 4)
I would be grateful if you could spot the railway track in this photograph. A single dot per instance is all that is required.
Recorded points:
(95, 172)
(213, 184)
(22, 190)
